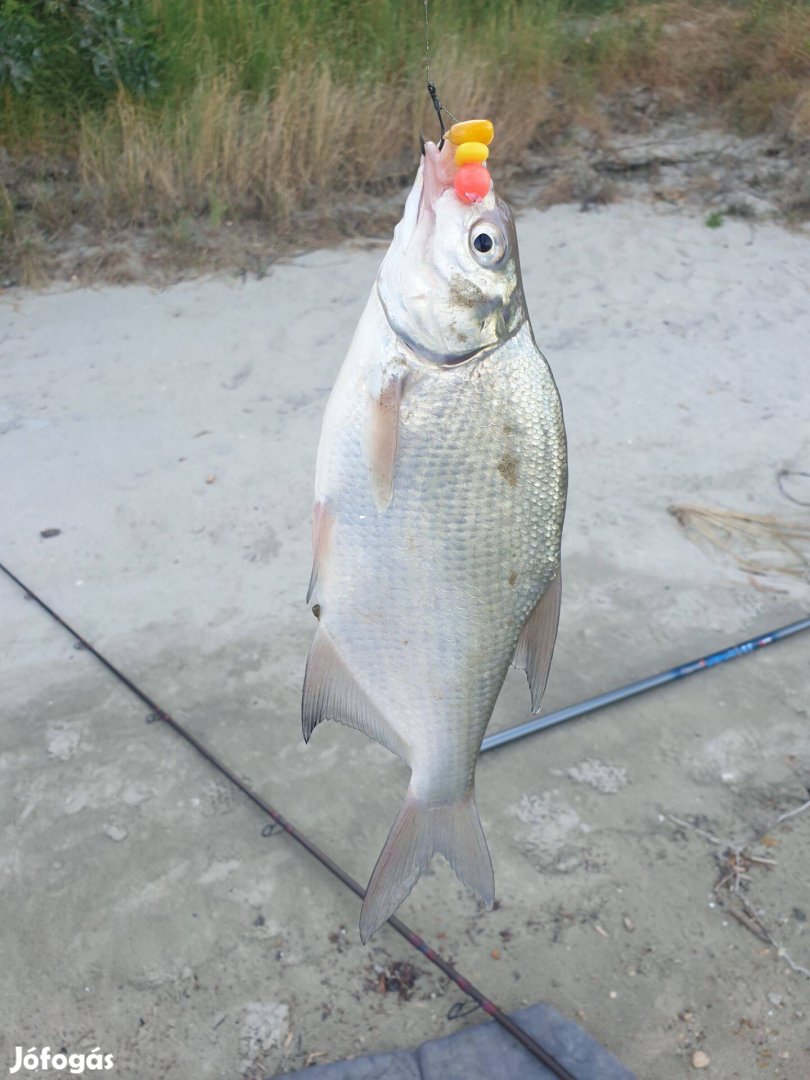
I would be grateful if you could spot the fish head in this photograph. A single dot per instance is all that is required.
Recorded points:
(450, 283)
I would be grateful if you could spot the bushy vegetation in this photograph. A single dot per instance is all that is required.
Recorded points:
(68, 55)
(149, 111)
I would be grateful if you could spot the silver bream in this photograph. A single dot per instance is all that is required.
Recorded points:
(439, 501)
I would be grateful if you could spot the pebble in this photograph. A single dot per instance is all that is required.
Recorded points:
(700, 1060)
(116, 832)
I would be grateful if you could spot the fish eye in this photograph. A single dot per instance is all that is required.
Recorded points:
(488, 243)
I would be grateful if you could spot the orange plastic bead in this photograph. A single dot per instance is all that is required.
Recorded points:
(471, 131)
(471, 151)
(472, 182)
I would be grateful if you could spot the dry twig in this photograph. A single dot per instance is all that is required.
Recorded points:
(735, 860)
(793, 813)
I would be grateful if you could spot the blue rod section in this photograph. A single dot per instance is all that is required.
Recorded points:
(540, 723)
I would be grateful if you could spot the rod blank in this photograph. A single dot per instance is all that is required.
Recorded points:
(610, 697)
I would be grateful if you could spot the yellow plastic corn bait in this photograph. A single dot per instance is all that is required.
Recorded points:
(471, 151)
(471, 131)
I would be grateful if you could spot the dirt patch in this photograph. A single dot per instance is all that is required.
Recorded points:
(508, 468)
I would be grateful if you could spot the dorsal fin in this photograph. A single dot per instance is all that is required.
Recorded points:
(332, 693)
(536, 643)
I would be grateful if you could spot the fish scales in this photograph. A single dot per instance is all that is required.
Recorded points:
(427, 577)
(428, 618)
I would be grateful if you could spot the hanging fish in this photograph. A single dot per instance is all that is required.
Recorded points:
(439, 501)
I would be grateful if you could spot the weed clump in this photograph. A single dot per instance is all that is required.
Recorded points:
(122, 113)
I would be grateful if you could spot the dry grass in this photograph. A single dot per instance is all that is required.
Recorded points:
(224, 153)
(751, 60)
(292, 154)
(759, 544)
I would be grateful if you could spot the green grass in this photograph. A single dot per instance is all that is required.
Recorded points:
(130, 112)
(160, 51)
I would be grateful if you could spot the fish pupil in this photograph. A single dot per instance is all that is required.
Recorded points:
(483, 242)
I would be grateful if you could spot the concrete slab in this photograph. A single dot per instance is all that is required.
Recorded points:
(486, 1051)
(170, 436)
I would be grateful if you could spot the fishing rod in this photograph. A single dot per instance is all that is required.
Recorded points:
(156, 713)
(621, 693)
(511, 734)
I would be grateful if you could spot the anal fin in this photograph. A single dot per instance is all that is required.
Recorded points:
(322, 522)
(331, 692)
(536, 643)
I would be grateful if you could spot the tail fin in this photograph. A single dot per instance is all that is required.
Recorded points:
(421, 830)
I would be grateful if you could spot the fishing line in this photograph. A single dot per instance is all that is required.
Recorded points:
(427, 45)
(156, 713)
(434, 97)
(780, 476)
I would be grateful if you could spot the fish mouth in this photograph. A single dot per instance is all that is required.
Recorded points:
(438, 175)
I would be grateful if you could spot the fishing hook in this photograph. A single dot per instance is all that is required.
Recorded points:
(437, 105)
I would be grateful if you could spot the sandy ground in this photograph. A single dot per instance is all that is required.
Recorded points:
(170, 436)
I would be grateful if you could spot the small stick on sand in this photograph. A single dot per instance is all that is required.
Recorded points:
(749, 925)
(734, 859)
(793, 813)
(706, 835)
(769, 938)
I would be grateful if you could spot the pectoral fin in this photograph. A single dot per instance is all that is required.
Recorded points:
(536, 642)
(385, 390)
(331, 692)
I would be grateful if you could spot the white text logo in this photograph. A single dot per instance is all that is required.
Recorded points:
(33, 1060)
